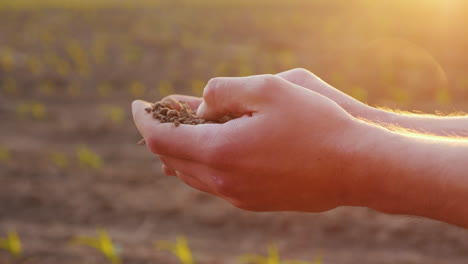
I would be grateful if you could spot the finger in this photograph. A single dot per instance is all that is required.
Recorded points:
(235, 96)
(195, 174)
(310, 81)
(168, 171)
(185, 141)
(192, 101)
(193, 182)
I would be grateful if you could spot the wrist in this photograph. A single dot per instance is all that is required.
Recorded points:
(380, 172)
(402, 174)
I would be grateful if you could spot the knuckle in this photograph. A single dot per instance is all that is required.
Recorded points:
(299, 76)
(211, 87)
(301, 73)
(270, 79)
(267, 83)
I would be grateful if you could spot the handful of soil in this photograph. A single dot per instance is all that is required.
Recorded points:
(165, 112)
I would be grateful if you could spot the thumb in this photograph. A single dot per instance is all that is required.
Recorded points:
(235, 96)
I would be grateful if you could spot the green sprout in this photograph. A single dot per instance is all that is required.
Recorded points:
(132, 52)
(35, 110)
(11, 243)
(74, 90)
(137, 89)
(286, 59)
(38, 110)
(180, 249)
(103, 243)
(9, 86)
(7, 60)
(115, 113)
(165, 88)
(79, 57)
(61, 66)
(400, 95)
(197, 87)
(245, 69)
(88, 159)
(359, 93)
(5, 154)
(443, 96)
(60, 160)
(99, 47)
(273, 257)
(35, 65)
(47, 37)
(47, 88)
(104, 89)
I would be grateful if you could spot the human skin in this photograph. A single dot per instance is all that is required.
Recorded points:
(293, 149)
(429, 124)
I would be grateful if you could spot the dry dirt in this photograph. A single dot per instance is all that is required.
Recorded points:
(178, 112)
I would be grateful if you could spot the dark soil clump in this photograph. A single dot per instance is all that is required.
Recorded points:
(166, 112)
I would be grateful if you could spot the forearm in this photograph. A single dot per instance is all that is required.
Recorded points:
(430, 124)
(411, 175)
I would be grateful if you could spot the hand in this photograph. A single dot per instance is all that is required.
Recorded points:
(290, 149)
(306, 79)
(436, 125)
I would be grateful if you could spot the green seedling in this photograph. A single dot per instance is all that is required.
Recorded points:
(79, 57)
(273, 257)
(133, 53)
(136, 89)
(88, 159)
(7, 60)
(359, 93)
(47, 88)
(9, 86)
(5, 154)
(61, 66)
(99, 48)
(74, 90)
(245, 69)
(286, 59)
(104, 89)
(197, 87)
(11, 243)
(35, 65)
(180, 249)
(34, 110)
(47, 38)
(114, 113)
(59, 160)
(38, 110)
(221, 69)
(103, 243)
(443, 96)
(165, 88)
(400, 95)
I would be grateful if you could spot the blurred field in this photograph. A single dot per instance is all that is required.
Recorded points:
(69, 162)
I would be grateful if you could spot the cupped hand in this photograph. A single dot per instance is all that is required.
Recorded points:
(307, 79)
(289, 149)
